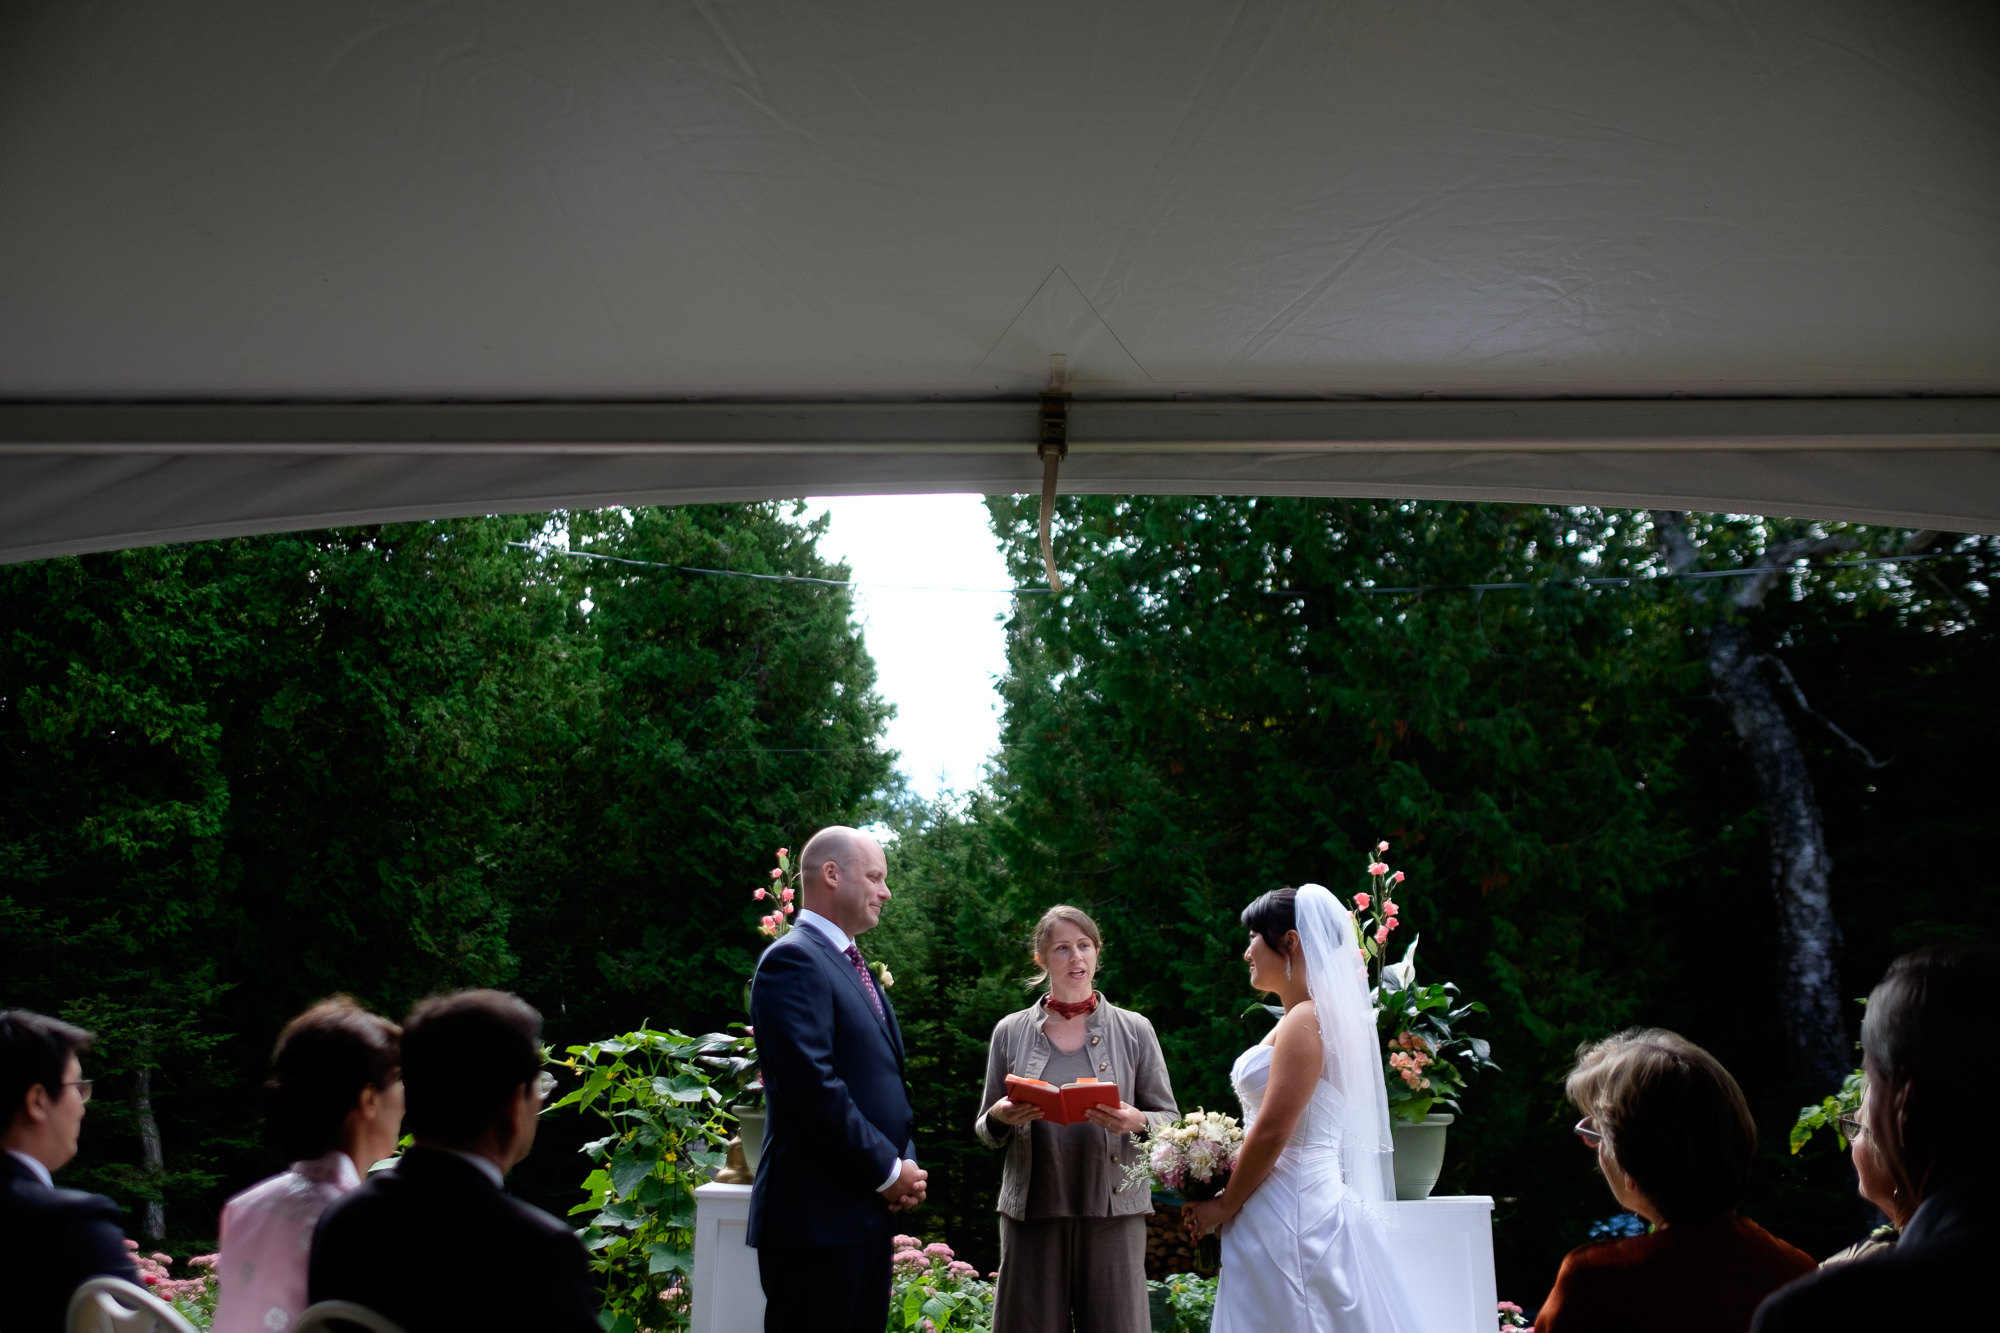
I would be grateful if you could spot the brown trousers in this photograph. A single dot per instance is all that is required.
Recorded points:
(1064, 1273)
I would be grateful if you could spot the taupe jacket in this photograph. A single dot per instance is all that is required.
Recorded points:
(1128, 1053)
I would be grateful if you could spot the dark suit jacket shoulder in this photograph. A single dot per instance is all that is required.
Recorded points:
(55, 1240)
(397, 1244)
(838, 1109)
(1934, 1275)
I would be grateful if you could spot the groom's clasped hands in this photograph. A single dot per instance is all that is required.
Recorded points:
(907, 1190)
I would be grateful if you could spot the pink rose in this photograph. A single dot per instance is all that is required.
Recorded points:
(1391, 908)
(759, 895)
(1389, 925)
(1361, 901)
(777, 873)
(1382, 846)
(1382, 935)
(787, 895)
(783, 851)
(1396, 878)
(1377, 868)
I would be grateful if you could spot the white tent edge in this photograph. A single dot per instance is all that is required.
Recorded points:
(90, 476)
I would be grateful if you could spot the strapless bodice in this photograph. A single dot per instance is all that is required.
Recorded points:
(1251, 1075)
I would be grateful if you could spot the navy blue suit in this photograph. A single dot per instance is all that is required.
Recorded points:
(839, 1119)
(55, 1241)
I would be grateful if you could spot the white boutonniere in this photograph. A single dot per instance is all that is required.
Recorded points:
(883, 976)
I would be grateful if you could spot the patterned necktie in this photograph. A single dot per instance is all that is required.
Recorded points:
(867, 982)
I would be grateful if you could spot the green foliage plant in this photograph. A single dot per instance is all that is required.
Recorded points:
(931, 1290)
(1191, 1300)
(657, 1092)
(1826, 1115)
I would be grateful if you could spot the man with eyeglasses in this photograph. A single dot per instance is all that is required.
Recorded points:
(473, 1087)
(54, 1240)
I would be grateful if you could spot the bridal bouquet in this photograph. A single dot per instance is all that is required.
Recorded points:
(1193, 1154)
(1193, 1157)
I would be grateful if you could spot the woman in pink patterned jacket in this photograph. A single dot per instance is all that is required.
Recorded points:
(334, 1103)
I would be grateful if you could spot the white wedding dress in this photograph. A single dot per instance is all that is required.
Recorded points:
(1307, 1253)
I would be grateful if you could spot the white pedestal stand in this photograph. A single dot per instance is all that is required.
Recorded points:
(1445, 1243)
(728, 1296)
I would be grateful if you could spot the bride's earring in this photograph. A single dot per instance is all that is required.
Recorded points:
(1288, 967)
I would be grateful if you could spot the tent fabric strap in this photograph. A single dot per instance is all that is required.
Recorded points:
(1053, 448)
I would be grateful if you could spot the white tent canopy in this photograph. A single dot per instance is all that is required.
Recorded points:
(275, 264)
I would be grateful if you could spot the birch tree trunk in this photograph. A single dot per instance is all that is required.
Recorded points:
(154, 1224)
(1801, 869)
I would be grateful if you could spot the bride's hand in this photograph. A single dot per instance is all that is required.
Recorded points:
(1204, 1217)
(1010, 1112)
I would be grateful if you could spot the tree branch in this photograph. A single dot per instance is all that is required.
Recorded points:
(1859, 751)
(1777, 559)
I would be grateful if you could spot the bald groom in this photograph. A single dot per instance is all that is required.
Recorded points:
(838, 1157)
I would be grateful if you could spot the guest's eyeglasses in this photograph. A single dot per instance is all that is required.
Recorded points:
(1592, 1136)
(82, 1086)
(1851, 1127)
(545, 1083)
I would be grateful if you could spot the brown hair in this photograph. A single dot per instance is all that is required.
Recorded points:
(34, 1048)
(1671, 1116)
(1046, 927)
(465, 1057)
(322, 1061)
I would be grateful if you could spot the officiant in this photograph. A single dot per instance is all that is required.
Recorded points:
(1072, 1230)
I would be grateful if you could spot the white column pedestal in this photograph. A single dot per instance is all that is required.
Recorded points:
(1445, 1244)
(728, 1296)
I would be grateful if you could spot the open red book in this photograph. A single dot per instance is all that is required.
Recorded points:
(1064, 1105)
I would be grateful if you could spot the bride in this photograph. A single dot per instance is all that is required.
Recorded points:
(1302, 1218)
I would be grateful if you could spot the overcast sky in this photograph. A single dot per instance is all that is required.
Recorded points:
(939, 653)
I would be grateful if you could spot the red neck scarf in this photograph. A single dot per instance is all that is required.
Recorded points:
(1077, 1010)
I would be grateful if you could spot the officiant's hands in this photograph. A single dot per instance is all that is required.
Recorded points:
(1124, 1118)
(1206, 1216)
(1010, 1112)
(907, 1191)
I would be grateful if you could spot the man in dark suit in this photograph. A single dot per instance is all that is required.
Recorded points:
(473, 1083)
(1923, 1117)
(838, 1156)
(55, 1240)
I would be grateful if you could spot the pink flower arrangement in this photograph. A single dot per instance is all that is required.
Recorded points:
(1375, 913)
(930, 1277)
(783, 888)
(154, 1276)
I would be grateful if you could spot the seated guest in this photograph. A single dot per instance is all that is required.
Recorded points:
(1919, 1116)
(334, 1106)
(1674, 1139)
(398, 1244)
(1874, 1184)
(54, 1240)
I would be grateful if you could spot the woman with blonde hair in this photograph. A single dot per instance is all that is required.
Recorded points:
(1072, 1230)
(1674, 1140)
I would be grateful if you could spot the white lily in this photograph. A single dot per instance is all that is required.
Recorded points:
(1403, 975)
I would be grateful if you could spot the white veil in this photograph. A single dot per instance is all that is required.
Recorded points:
(1337, 980)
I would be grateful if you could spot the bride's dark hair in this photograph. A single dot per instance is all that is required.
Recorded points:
(1272, 916)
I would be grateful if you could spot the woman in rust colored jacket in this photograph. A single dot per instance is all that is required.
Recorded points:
(1674, 1139)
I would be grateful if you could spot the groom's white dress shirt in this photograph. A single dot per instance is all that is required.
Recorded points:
(808, 917)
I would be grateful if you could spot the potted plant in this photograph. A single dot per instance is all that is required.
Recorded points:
(1425, 1060)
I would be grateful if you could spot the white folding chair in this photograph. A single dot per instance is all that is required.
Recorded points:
(328, 1316)
(113, 1305)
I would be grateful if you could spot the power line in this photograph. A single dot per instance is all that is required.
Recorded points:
(771, 578)
(1614, 581)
